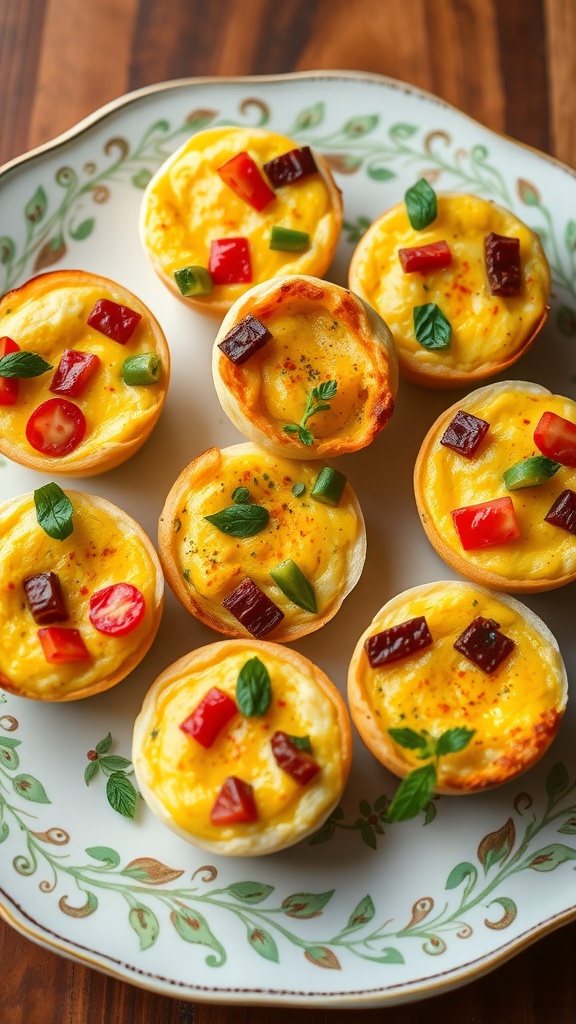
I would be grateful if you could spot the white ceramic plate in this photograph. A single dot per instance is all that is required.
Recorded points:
(366, 914)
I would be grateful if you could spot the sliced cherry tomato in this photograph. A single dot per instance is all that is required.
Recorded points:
(62, 646)
(115, 321)
(490, 522)
(229, 261)
(296, 763)
(556, 438)
(234, 804)
(243, 176)
(56, 427)
(117, 610)
(8, 385)
(73, 372)
(210, 716)
(425, 257)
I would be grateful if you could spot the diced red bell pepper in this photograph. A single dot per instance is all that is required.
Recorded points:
(117, 610)
(489, 522)
(56, 427)
(62, 646)
(229, 261)
(115, 321)
(210, 716)
(243, 176)
(556, 438)
(296, 763)
(425, 257)
(9, 386)
(235, 804)
(73, 372)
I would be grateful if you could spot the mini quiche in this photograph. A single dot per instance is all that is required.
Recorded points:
(242, 747)
(459, 683)
(84, 370)
(255, 545)
(495, 486)
(81, 593)
(462, 283)
(237, 206)
(305, 369)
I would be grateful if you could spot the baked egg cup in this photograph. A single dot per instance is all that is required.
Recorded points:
(187, 207)
(324, 348)
(525, 552)
(489, 332)
(88, 425)
(513, 711)
(291, 556)
(105, 548)
(181, 779)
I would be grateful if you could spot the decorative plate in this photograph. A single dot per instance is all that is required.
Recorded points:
(364, 913)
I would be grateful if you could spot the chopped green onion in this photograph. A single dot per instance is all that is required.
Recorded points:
(288, 240)
(141, 369)
(530, 472)
(294, 584)
(329, 486)
(240, 495)
(193, 281)
(298, 489)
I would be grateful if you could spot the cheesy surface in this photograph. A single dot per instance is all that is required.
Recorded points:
(104, 548)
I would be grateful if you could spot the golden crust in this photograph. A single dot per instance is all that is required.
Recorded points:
(119, 420)
(515, 711)
(201, 473)
(526, 566)
(307, 807)
(260, 394)
(63, 689)
(483, 343)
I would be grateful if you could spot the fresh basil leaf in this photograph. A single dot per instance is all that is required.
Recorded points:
(432, 329)
(54, 511)
(253, 689)
(412, 794)
(301, 743)
(421, 205)
(453, 740)
(326, 390)
(298, 489)
(409, 738)
(23, 364)
(240, 495)
(240, 520)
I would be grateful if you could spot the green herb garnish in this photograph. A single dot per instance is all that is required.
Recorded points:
(432, 329)
(317, 401)
(240, 520)
(301, 743)
(23, 365)
(240, 496)
(416, 789)
(54, 511)
(421, 204)
(253, 689)
(298, 489)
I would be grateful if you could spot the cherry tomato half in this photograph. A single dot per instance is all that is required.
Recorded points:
(56, 427)
(117, 610)
(556, 438)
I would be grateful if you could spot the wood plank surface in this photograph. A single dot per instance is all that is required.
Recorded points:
(512, 66)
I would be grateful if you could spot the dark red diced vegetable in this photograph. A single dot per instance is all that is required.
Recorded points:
(62, 646)
(235, 804)
(45, 600)
(117, 609)
(73, 372)
(556, 438)
(253, 609)
(484, 644)
(296, 763)
(398, 641)
(465, 433)
(243, 176)
(291, 166)
(115, 321)
(229, 261)
(244, 339)
(425, 257)
(563, 511)
(210, 716)
(489, 522)
(502, 257)
(9, 386)
(56, 427)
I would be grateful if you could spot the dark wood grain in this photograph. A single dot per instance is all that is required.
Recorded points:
(511, 65)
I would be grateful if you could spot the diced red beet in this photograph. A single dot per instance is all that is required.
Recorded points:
(503, 268)
(484, 644)
(210, 716)
(234, 804)
(244, 339)
(296, 763)
(44, 597)
(398, 641)
(423, 258)
(465, 433)
(114, 320)
(563, 511)
(289, 167)
(73, 372)
(253, 609)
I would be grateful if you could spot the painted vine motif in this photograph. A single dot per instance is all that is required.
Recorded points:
(355, 146)
(150, 888)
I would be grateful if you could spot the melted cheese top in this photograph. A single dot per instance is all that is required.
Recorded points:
(101, 551)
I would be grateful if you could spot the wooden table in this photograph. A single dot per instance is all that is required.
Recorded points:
(511, 65)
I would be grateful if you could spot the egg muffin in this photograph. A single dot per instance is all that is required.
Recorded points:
(464, 295)
(255, 545)
(242, 747)
(305, 369)
(495, 487)
(84, 370)
(453, 675)
(237, 206)
(81, 594)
